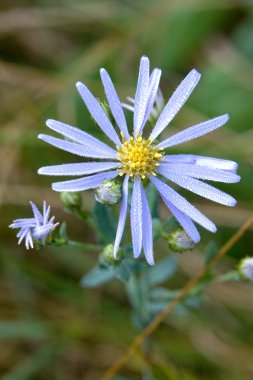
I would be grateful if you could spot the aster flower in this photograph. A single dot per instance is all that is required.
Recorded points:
(36, 229)
(136, 157)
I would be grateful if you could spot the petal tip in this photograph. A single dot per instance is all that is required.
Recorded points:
(79, 84)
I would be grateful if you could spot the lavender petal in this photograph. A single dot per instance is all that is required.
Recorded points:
(122, 216)
(114, 102)
(176, 102)
(98, 113)
(85, 183)
(182, 204)
(194, 132)
(83, 168)
(198, 187)
(147, 238)
(141, 95)
(78, 149)
(136, 217)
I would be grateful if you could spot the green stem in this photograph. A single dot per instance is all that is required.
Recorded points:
(86, 246)
(146, 349)
(84, 216)
(137, 289)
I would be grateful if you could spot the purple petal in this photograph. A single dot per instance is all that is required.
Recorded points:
(114, 102)
(78, 136)
(207, 162)
(122, 216)
(176, 102)
(23, 223)
(201, 172)
(153, 89)
(141, 95)
(78, 149)
(147, 238)
(194, 132)
(136, 217)
(85, 183)
(198, 187)
(83, 168)
(98, 113)
(184, 221)
(37, 214)
(182, 204)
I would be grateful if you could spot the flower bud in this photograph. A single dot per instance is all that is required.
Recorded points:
(109, 193)
(246, 268)
(107, 256)
(71, 200)
(179, 241)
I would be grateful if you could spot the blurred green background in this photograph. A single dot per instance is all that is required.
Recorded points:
(50, 327)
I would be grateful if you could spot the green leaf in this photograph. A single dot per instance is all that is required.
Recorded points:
(153, 199)
(162, 271)
(63, 231)
(123, 271)
(98, 276)
(210, 252)
(104, 222)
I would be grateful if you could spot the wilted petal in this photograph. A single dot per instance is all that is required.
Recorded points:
(194, 132)
(136, 217)
(37, 214)
(98, 113)
(85, 183)
(176, 102)
(122, 216)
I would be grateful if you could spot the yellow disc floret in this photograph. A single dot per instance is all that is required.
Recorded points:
(138, 157)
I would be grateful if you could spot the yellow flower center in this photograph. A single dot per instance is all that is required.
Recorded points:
(138, 157)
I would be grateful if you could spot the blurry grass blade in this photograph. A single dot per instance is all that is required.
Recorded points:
(30, 367)
(210, 251)
(24, 330)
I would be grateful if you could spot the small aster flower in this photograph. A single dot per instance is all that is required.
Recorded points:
(246, 268)
(36, 229)
(137, 157)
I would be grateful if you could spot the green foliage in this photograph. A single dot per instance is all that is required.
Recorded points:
(105, 222)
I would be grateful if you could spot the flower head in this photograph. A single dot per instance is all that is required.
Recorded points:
(246, 268)
(136, 157)
(36, 229)
(179, 241)
(109, 193)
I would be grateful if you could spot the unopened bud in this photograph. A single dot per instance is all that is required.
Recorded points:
(246, 268)
(107, 256)
(109, 193)
(179, 241)
(71, 200)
